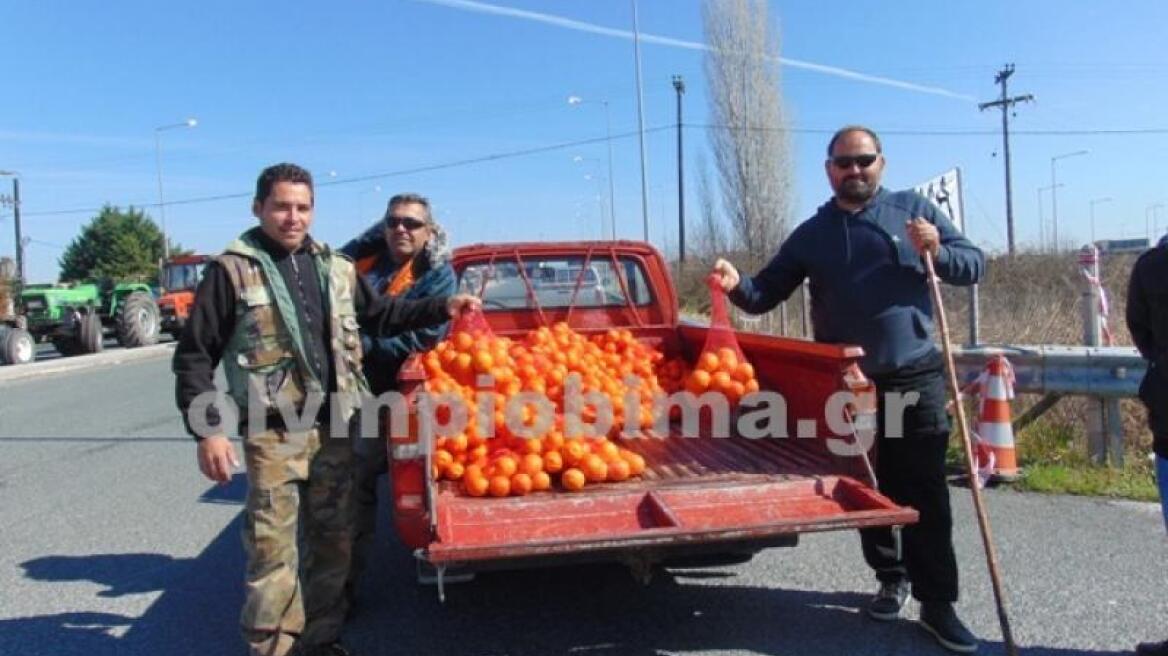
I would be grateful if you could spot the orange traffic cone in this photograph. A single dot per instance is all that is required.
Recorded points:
(994, 427)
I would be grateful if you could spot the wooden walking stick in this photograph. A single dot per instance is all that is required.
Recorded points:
(983, 521)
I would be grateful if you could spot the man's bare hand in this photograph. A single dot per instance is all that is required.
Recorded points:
(217, 458)
(460, 304)
(727, 275)
(924, 235)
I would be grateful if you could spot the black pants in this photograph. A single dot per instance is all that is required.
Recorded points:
(911, 472)
(369, 463)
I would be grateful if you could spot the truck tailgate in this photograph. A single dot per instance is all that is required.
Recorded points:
(693, 491)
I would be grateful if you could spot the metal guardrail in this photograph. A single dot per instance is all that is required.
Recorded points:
(1102, 371)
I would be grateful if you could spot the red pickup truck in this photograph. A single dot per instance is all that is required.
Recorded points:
(699, 495)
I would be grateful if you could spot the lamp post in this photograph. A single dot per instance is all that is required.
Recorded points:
(1041, 219)
(189, 123)
(15, 200)
(1054, 193)
(580, 159)
(577, 100)
(1093, 202)
(679, 88)
(641, 124)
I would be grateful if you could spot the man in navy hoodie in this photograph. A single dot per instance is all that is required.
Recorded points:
(863, 252)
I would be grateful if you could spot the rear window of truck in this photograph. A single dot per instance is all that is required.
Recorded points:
(553, 281)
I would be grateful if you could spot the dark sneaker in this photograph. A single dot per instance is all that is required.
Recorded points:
(1152, 649)
(940, 619)
(889, 601)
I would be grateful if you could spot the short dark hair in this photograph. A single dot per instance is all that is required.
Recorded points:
(852, 128)
(410, 198)
(283, 172)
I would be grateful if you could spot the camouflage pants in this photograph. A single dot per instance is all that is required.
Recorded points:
(298, 487)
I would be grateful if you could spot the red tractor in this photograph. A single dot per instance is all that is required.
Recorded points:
(180, 277)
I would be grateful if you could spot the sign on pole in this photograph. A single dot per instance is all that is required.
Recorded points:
(945, 191)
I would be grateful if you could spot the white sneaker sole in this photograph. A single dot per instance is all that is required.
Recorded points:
(946, 643)
(883, 617)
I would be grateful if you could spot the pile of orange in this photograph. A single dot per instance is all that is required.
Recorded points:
(614, 364)
(722, 370)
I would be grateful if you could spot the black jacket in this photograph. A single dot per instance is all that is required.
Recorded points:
(1147, 320)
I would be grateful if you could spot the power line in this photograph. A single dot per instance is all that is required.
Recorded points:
(379, 176)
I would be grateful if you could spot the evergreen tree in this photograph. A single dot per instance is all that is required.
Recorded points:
(117, 244)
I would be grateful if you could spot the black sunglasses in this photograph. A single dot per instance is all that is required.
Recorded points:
(845, 162)
(409, 222)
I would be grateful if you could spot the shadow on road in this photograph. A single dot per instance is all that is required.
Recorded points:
(590, 610)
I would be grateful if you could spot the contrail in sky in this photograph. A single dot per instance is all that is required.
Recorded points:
(581, 26)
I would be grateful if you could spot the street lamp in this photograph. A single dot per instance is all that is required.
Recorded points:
(577, 100)
(15, 200)
(1093, 202)
(1041, 219)
(1053, 192)
(580, 159)
(189, 123)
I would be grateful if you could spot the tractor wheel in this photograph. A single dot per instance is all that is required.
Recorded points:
(138, 321)
(90, 338)
(16, 346)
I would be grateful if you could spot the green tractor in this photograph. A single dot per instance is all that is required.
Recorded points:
(75, 318)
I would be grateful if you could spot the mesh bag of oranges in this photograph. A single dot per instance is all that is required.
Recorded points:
(721, 367)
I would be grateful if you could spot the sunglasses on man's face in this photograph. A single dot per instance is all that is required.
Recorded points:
(408, 222)
(845, 162)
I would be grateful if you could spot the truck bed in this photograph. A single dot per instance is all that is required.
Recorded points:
(693, 490)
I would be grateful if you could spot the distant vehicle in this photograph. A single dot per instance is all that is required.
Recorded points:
(180, 278)
(74, 318)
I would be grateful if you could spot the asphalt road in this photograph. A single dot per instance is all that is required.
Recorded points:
(112, 543)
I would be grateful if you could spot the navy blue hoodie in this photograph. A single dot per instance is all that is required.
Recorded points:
(868, 284)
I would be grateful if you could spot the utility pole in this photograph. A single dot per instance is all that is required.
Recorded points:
(679, 87)
(641, 124)
(1005, 102)
(15, 201)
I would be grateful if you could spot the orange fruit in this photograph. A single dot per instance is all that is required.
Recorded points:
(698, 381)
(553, 462)
(463, 340)
(532, 445)
(574, 451)
(595, 468)
(619, 470)
(720, 382)
(608, 451)
(531, 464)
(744, 372)
(506, 466)
(520, 484)
(454, 471)
(751, 386)
(483, 362)
(476, 486)
(636, 461)
(708, 361)
(500, 486)
(573, 480)
(442, 458)
(540, 481)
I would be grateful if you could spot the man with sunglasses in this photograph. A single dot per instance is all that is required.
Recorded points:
(405, 255)
(863, 252)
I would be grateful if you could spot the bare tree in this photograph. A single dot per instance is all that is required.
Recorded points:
(750, 144)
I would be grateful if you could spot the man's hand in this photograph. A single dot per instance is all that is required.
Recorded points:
(727, 275)
(924, 235)
(460, 304)
(217, 458)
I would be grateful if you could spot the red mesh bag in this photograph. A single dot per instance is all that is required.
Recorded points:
(473, 323)
(721, 366)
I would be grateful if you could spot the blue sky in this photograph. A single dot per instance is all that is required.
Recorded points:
(377, 91)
